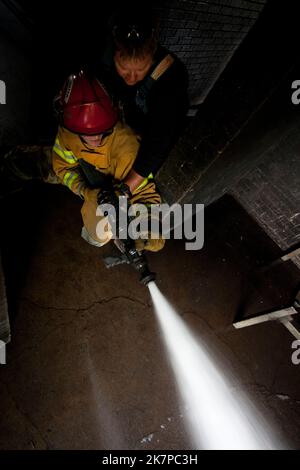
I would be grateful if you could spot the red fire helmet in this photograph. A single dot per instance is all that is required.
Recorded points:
(86, 106)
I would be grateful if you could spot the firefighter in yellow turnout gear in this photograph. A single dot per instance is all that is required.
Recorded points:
(90, 133)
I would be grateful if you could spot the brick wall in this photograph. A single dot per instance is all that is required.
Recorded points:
(255, 71)
(245, 138)
(271, 191)
(205, 35)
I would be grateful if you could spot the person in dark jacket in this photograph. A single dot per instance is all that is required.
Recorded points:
(149, 84)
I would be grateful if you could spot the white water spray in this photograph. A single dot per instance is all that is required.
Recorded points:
(218, 417)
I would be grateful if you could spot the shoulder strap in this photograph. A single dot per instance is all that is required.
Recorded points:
(144, 90)
(164, 64)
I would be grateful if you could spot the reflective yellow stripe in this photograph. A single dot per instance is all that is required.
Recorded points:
(66, 155)
(146, 181)
(67, 152)
(69, 178)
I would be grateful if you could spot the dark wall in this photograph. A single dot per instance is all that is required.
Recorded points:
(252, 76)
(245, 139)
(247, 112)
(205, 36)
(68, 35)
(270, 192)
(15, 72)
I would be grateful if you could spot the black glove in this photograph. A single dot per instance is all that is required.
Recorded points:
(111, 195)
(122, 189)
(106, 196)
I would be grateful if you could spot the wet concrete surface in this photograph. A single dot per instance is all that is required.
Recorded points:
(86, 368)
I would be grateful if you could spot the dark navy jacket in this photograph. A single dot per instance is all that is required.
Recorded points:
(155, 109)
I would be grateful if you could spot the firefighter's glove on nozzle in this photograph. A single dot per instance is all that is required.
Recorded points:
(106, 196)
(122, 189)
(111, 196)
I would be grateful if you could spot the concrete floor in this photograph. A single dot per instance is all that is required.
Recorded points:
(86, 365)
